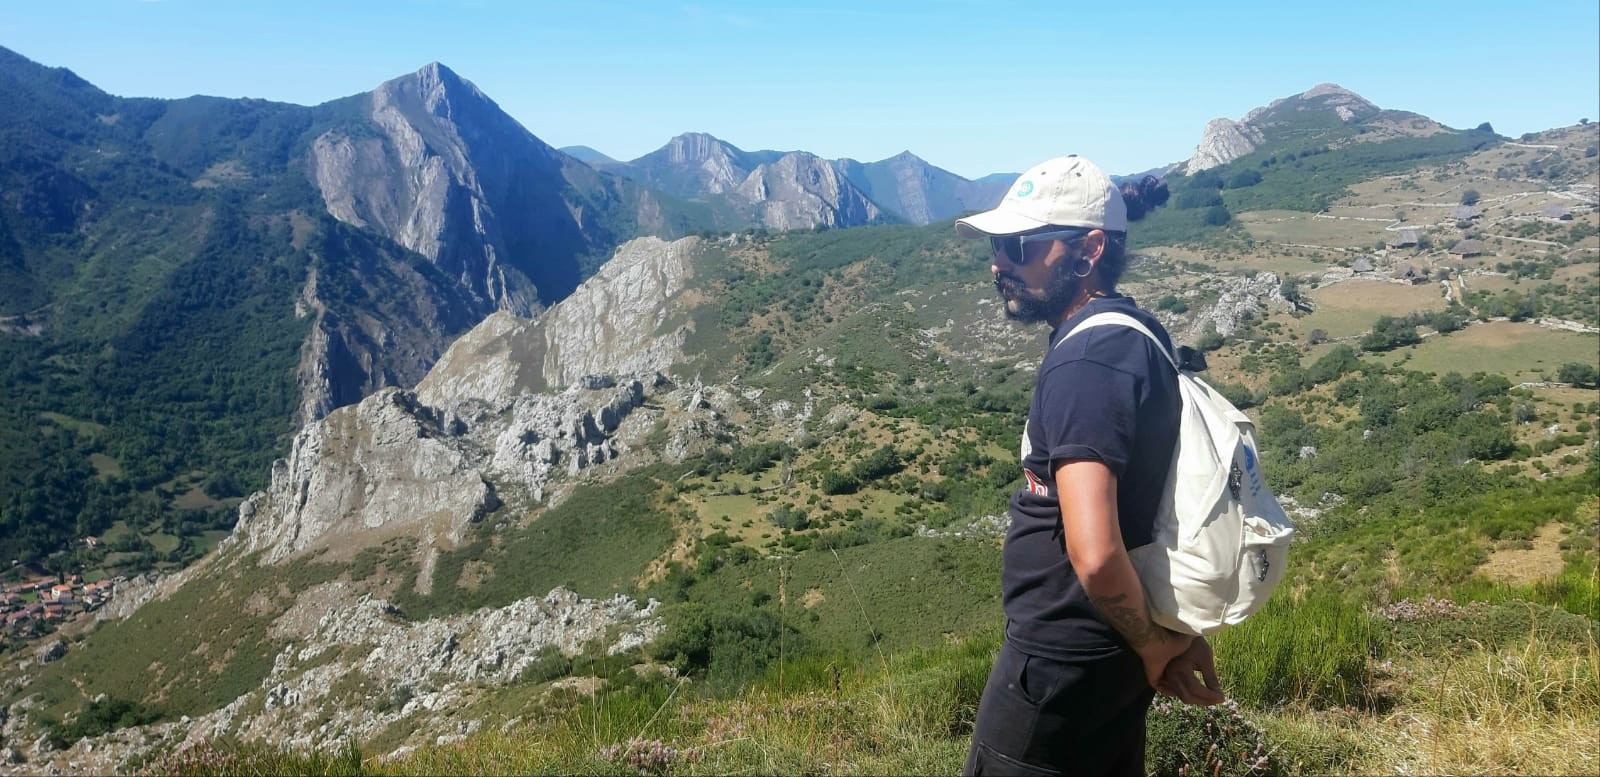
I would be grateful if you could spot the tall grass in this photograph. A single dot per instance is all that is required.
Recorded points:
(1313, 649)
(1531, 708)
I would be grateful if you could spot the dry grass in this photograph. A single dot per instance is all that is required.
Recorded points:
(1520, 351)
(1533, 709)
(1335, 229)
(1349, 308)
(1526, 565)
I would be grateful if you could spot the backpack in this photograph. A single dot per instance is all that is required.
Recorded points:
(1221, 540)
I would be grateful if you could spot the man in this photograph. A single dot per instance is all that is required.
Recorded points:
(1082, 658)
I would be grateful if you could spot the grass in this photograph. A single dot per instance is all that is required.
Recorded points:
(1520, 351)
(187, 654)
(596, 543)
(1282, 226)
(1349, 308)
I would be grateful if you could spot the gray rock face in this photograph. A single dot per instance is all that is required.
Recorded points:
(612, 325)
(431, 462)
(54, 650)
(801, 191)
(1223, 141)
(1238, 298)
(389, 460)
(417, 183)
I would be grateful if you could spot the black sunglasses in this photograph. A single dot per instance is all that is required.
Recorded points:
(1014, 247)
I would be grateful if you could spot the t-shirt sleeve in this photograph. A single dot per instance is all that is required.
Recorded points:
(1089, 411)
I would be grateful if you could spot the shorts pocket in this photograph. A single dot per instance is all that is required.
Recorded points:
(988, 763)
(1037, 679)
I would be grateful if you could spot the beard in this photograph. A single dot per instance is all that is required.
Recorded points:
(1029, 306)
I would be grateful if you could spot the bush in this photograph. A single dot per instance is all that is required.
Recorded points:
(1210, 340)
(1470, 197)
(836, 483)
(1578, 374)
(1244, 178)
(1205, 741)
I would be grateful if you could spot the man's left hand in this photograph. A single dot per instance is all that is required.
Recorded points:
(1179, 680)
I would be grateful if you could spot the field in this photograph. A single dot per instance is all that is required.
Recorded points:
(1522, 352)
(1349, 308)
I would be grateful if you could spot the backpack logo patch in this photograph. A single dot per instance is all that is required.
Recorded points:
(1235, 480)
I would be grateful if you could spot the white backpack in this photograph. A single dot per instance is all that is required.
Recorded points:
(1221, 541)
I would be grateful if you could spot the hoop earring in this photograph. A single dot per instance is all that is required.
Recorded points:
(1082, 268)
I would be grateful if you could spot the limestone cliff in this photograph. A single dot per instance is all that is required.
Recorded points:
(1223, 141)
(801, 191)
(1326, 108)
(437, 167)
(429, 463)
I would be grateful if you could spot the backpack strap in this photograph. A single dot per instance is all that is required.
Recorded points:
(1125, 320)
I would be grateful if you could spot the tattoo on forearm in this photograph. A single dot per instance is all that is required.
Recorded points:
(1132, 622)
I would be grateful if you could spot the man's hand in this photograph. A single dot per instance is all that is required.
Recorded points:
(1178, 677)
(1159, 651)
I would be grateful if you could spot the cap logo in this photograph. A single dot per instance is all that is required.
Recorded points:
(1024, 189)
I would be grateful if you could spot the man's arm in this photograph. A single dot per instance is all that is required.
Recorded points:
(1088, 495)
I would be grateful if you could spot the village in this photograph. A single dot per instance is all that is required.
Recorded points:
(36, 607)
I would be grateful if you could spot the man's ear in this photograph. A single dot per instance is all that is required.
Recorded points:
(1094, 245)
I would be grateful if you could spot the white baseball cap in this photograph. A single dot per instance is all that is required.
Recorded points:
(1068, 191)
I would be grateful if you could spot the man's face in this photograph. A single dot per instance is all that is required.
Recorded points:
(1040, 287)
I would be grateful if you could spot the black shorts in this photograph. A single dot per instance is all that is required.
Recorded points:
(1044, 716)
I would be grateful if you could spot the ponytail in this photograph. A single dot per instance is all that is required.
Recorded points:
(1141, 197)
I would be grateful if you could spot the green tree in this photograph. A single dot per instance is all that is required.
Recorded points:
(1579, 374)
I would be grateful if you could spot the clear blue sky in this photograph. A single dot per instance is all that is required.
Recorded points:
(974, 88)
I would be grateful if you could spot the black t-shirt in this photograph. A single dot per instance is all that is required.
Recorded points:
(1106, 394)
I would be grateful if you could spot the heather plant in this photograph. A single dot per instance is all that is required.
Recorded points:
(210, 757)
(1205, 741)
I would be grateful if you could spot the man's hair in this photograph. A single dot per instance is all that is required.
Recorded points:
(1141, 197)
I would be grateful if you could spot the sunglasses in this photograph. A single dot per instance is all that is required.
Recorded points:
(1014, 248)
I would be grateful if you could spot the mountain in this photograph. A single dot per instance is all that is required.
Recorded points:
(920, 193)
(587, 155)
(757, 186)
(185, 282)
(721, 457)
(1324, 111)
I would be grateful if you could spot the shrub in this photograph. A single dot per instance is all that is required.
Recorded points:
(1578, 374)
(1244, 178)
(1204, 741)
(835, 483)
(1470, 197)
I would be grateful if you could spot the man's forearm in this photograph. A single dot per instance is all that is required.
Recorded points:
(1115, 591)
(1088, 494)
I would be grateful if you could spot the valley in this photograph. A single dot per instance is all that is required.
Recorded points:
(733, 501)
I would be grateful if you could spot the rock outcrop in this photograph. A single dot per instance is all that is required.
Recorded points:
(801, 191)
(351, 668)
(1223, 141)
(431, 462)
(1323, 107)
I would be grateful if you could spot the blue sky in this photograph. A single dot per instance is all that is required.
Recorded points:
(972, 87)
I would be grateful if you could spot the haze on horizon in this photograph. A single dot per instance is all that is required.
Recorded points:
(975, 91)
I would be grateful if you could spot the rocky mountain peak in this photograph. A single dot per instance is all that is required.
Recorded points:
(1327, 105)
(697, 147)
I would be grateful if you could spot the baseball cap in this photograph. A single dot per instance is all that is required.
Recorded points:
(1067, 191)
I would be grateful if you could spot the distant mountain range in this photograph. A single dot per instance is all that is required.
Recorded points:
(785, 190)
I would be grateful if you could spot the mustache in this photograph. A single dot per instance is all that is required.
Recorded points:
(1003, 282)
